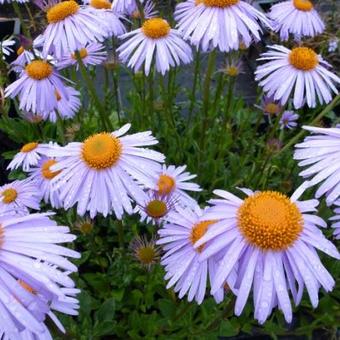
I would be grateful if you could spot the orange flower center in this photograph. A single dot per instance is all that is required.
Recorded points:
(272, 108)
(220, 3)
(46, 171)
(101, 151)
(61, 11)
(270, 220)
(198, 230)
(303, 58)
(20, 50)
(165, 184)
(146, 255)
(82, 53)
(29, 147)
(303, 5)
(39, 69)
(156, 208)
(100, 4)
(156, 28)
(9, 195)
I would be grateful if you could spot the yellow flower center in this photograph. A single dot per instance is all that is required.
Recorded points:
(198, 230)
(220, 3)
(165, 184)
(46, 171)
(272, 108)
(232, 71)
(26, 286)
(303, 58)
(101, 151)
(303, 5)
(57, 95)
(146, 255)
(270, 220)
(29, 147)
(82, 53)
(20, 50)
(86, 227)
(156, 208)
(39, 69)
(100, 4)
(156, 28)
(9, 195)
(61, 11)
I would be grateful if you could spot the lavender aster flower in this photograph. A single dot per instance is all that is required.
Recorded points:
(29, 155)
(288, 120)
(272, 239)
(297, 17)
(5, 46)
(155, 40)
(70, 27)
(221, 24)
(42, 175)
(181, 261)
(18, 197)
(92, 54)
(34, 271)
(320, 154)
(123, 7)
(36, 87)
(100, 173)
(148, 9)
(300, 72)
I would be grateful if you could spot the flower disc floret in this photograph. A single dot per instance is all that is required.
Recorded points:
(29, 147)
(156, 28)
(9, 195)
(61, 11)
(46, 169)
(100, 4)
(303, 58)
(303, 5)
(220, 3)
(39, 69)
(199, 230)
(270, 220)
(166, 184)
(156, 208)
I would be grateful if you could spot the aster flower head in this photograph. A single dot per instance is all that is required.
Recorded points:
(173, 180)
(319, 154)
(154, 41)
(125, 7)
(18, 197)
(233, 68)
(269, 106)
(148, 9)
(296, 17)
(36, 87)
(85, 225)
(5, 46)
(105, 172)
(70, 27)
(42, 176)
(93, 54)
(145, 251)
(288, 120)
(299, 72)
(67, 106)
(222, 24)
(29, 155)
(185, 272)
(333, 45)
(34, 271)
(155, 207)
(273, 240)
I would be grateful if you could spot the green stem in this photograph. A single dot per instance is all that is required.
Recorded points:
(31, 16)
(207, 81)
(150, 97)
(18, 13)
(327, 109)
(227, 108)
(107, 125)
(140, 10)
(194, 86)
(120, 231)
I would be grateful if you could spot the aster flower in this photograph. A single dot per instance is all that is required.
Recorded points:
(155, 207)
(125, 6)
(5, 46)
(93, 54)
(32, 257)
(336, 219)
(42, 176)
(157, 41)
(29, 155)
(297, 17)
(233, 68)
(320, 154)
(181, 261)
(269, 106)
(100, 173)
(273, 240)
(288, 120)
(183, 9)
(174, 181)
(148, 9)
(67, 106)
(300, 72)
(111, 19)
(36, 87)
(85, 225)
(146, 252)
(18, 197)
(70, 27)
(221, 24)
(333, 45)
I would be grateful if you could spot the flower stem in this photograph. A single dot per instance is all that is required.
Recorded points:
(18, 13)
(107, 125)
(194, 87)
